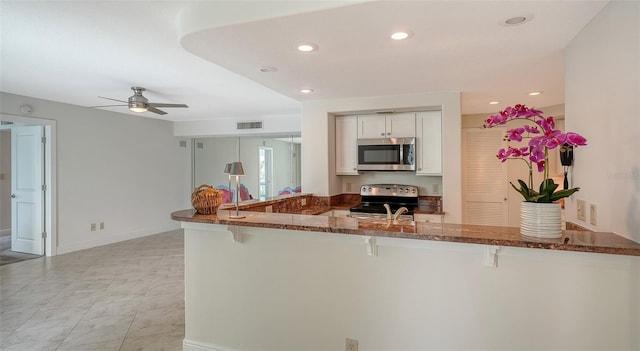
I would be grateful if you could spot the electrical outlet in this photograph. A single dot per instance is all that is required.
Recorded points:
(304, 202)
(93, 227)
(350, 345)
(101, 225)
(593, 214)
(581, 210)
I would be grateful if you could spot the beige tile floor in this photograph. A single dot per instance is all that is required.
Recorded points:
(124, 296)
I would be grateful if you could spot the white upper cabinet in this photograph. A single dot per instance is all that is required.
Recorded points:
(346, 145)
(371, 126)
(401, 125)
(429, 143)
(386, 126)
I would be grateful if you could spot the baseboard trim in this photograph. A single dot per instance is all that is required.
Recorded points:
(106, 240)
(192, 345)
(4, 232)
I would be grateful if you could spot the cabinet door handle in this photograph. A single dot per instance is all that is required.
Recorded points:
(382, 134)
(388, 133)
(419, 169)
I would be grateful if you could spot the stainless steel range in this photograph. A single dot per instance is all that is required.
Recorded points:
(375, 196)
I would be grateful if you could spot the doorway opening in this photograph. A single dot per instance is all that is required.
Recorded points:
(27, 191)
(265, 172)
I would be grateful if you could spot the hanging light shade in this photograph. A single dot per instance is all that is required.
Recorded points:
(227, 168)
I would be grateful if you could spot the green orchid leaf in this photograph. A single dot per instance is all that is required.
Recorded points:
(548, 186)
(549, 189)
(562, 194)
(537, 198)
(523, 192)
(523, 185)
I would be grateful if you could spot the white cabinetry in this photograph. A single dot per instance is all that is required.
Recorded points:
(431, 218)
(429, 143)
(346, 145)
(386, 126)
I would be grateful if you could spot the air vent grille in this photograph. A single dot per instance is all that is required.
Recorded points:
(249, 125)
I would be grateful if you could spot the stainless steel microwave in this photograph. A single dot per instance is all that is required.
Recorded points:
(388, 154)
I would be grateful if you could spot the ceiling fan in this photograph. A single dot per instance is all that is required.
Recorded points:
(139, 103)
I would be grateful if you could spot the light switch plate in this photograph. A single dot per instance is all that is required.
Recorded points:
(351, 345)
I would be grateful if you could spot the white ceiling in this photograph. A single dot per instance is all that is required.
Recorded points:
(208, 54)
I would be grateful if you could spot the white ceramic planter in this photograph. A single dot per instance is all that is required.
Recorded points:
(541, 220)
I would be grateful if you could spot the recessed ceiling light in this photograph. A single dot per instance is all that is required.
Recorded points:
(534, 93)
(494, 102)
(268, 69)
(400, 35)
(515, 20)
(306, 91)
(307, 47)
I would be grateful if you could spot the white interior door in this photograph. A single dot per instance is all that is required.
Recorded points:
(484, 178)
(27, 174)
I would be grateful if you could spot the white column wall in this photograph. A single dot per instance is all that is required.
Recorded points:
(318, 147)
(602, 103)
(127, 171)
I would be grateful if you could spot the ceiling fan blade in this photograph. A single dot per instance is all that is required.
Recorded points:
(106, 106)
(102, 97)
(155, 110)
(153, 104)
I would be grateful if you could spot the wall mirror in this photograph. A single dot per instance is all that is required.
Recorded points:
(271, 165)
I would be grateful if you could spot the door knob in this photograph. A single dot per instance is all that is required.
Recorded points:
(13, 196)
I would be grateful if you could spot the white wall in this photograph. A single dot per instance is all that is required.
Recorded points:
(126, 171)
(5, 181)
(318, 148)
(272, 125)
(297, 290)
(602, 103)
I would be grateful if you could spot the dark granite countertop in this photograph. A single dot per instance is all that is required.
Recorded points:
(580, 241)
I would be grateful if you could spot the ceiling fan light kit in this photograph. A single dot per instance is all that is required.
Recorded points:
(138, 103)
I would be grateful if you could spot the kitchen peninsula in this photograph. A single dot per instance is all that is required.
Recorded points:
(282, 281)
(572, 240)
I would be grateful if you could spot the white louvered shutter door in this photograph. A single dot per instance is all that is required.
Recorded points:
(484, 188)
